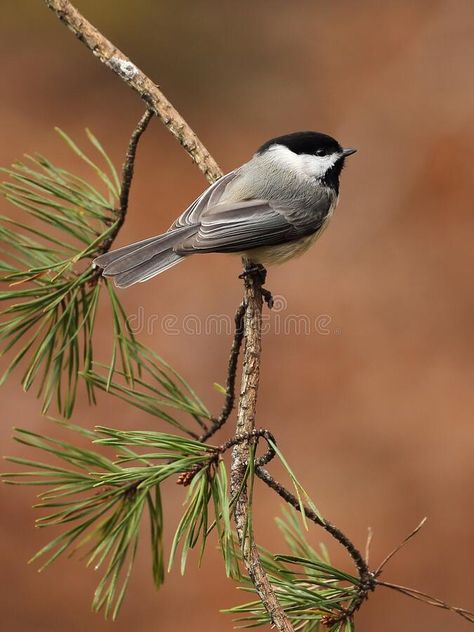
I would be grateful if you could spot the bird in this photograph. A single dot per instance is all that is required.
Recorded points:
(268, 210)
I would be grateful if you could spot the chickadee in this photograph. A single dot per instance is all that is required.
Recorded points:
(268, 210)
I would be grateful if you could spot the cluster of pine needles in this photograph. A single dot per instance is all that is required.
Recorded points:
(52, 291)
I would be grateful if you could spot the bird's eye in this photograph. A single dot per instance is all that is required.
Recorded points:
(321, 152)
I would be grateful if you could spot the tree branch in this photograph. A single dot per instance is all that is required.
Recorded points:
(114, 59)
(241, 452)
(127, 177)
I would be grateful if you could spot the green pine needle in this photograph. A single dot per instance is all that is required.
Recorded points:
(157, 388)
(51, 290)
(310, 590)
(99, 502)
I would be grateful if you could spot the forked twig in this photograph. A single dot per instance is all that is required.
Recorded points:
(400, 546)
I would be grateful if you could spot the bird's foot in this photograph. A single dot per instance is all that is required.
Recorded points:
(267, 297)
(258, 272)
(254, 270)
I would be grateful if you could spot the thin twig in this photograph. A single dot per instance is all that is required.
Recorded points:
(127, 177)
(428, 599)
(400, 546)
(114, 59)
(241, 452)
(231, 375)
(365, 574)
(129, 164)
(247, 436)
(370, 535)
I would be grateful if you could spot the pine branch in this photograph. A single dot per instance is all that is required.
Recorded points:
(100, 503)
(242, 453)
(52, 298)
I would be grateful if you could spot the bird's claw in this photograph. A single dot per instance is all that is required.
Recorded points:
(255, 270)
(267, 297)
(258, 271)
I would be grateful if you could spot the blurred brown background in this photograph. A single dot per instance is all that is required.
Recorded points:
(375, 415)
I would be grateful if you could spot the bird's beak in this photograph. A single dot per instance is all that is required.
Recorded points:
(348, 152)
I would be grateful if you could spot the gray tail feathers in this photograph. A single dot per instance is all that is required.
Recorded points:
(142, 260)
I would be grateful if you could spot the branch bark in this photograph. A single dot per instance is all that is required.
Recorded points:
(149, 91)
(241, 452)
(156, 101)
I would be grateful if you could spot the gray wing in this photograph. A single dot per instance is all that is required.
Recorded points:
(241, 226)
(209, 198)
(144, 259)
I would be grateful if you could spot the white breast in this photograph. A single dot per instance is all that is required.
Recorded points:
(271, 255)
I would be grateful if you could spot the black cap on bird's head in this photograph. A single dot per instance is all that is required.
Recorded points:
(310, 143)
(304, 143)
(316, 144)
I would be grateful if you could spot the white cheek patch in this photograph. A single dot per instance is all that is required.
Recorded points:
(312, 166)
(317, 166)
